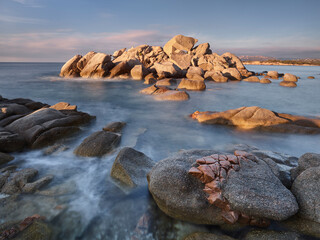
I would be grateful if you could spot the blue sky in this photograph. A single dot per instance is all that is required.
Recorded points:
(55, 30)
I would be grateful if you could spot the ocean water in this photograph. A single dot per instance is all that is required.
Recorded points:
(83, 202)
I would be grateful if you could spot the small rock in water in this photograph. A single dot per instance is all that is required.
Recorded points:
(115, 127)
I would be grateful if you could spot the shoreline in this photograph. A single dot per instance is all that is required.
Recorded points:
(276, 64)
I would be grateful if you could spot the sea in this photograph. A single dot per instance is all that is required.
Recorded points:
(83, 201)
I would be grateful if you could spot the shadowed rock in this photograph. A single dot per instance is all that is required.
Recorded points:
(115, 127)
(256, 118)
(5, 158)
(70, 69)
(138, 72)
(97, 67)
(207, 236)
(232, 74)
(85, 59)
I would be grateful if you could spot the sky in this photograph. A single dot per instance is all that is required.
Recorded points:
(56, 30)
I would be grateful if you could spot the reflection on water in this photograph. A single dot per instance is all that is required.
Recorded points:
(82, 201)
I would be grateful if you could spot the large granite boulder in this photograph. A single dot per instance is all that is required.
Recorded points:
(70, 69)
(84, 60)
(130, 167)
(97, 67)
(179, 42)
(201, 50)
(195, 73)
(98, 144)
(192, 85)
(234, 61)
(138, 72)
(306, 188)
(212, 62)
(256, 191)
(180, 195)
(11, 142)
(166, 82)
(119, 52)
(306, 161)
(172, 95)
(252, 79)
(291, 84)
(288, 77)
(232, 74)
(121, 68)
(273, 74)
(181, 59)
(216, 76)
(168, 69)
(260, 119)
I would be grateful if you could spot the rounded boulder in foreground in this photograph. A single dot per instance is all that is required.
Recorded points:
(288, 84)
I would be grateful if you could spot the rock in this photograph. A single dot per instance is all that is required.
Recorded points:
(310, 77)
(261, 234)
(149, 81)
(195, 70)
(121, 68)
(273, 74)
(234, 61)
(256, 191)
(131, 167)
(98, 144)
(119, 52)
(265, 81)
(11, 142)
(180, 195)
(181, 59)
(207, 236)
(69, 69)
(97, 67)
(115, 127)
(85, 59)
(215, 76)
(306, 161)
(252, 79)
(154, 90)
(168, 69)
(20, 181)
(287, 84)
(192, 85)
(64, 106)
(173, 95)
(166, 82)
(5, 158)
(260, 119)
(288, 77)
(303, 226)
(307, 191)
(38, 230)
(279, 158)
(232, 74)
(201, 50)
(212, 62)
(179, 42)
(138, 72)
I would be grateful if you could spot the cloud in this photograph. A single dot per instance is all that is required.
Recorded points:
(14, 19)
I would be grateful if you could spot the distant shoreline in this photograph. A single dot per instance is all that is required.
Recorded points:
(276, 63)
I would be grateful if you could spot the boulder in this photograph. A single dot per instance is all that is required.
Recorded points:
(168, 69)
(232, 74)
(233, 60)
(131, 167)
(207, 236)
(118, 53)
(192, 85)
(166, 82)
(306, 161)
(64, 106)
(97, 67)
(256, 191)
(84, 60)
(179, 42)
(262, 234)
(215, 76)
(70, 69)
(201, 50)
(181, 59)
(121, 68)
(115, 127)
(98, 144)
(303, 226)
(138, 72)
(265, 81)
(287, 84)
(154, 90)
(179, 194)
(252, 79)
(212, 62)
(306, 189)
(195, 70)
(288, 77)
(11, 142)
(260, 119)
(5, 158)
(310, 77)
(273, 74)
(149, 81)
(172, 95)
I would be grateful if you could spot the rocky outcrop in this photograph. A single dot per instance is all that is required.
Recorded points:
(232, 74)
(98, 66)
(201, 50)
(192, 85)
(167, 69)
(84, 60)
(256, 118)
(181, 59)
(195, 73)
(138, 72)
(31, 124)
(121, 68)
(70, 69)
(5, 158)
(98, 144)
(179, 42)
(130, 167)
(215, 76)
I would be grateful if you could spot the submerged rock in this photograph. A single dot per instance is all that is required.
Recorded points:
(5, 158)
(115, 127)
(172, 95)
(265, 81)
(288, 77)
(273, 74)
(287, 84)
(257, 118)
(131, 167)
(98, 144)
